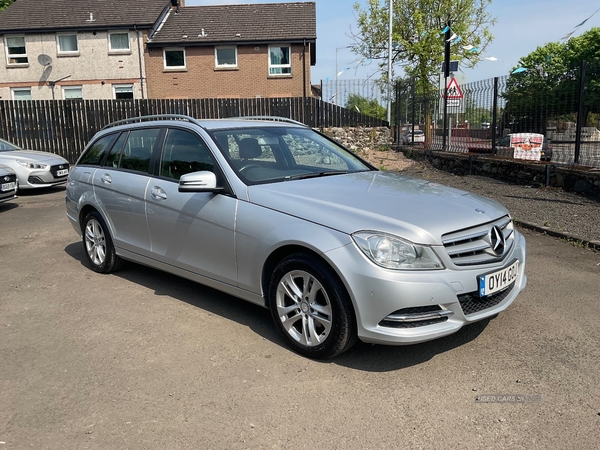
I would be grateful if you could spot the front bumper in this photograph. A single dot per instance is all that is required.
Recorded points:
(378, 294)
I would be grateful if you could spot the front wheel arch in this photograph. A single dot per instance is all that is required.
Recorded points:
(330, 320)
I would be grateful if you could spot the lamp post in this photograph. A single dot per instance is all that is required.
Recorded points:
(389, 102)
(337, 72)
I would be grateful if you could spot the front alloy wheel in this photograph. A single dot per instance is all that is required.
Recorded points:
(311, 308)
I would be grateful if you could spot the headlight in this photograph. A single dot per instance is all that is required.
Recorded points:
(392, 252)
(32, 165)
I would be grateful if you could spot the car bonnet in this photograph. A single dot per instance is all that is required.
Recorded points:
(34, 155)
(414, 209)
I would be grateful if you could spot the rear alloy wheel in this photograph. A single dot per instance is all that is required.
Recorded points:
(311, 308)
(98, 244)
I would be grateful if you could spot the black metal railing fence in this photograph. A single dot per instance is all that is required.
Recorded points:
(564, 107)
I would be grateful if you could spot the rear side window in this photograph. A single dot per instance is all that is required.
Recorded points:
(184, 152)
(133, 150)
(138, 149)
(95, 153)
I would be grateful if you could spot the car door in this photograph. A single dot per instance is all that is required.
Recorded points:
(191, 231)
(120, 188)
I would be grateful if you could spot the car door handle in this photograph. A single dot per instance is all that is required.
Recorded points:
(158, 193)
(106, 178)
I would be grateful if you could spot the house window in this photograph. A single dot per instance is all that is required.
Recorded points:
(279, 60)
(174, 58)
(123, 91)
(225, 57)
(21, 93)
(118, 42)
(67, 44)
(72, 92)
(15, 50)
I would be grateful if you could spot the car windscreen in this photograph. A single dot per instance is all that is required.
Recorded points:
(269, 154)
(7, 146)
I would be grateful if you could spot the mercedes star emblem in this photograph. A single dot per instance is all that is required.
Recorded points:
(497, 240)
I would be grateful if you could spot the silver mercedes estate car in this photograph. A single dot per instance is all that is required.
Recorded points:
(280, 215)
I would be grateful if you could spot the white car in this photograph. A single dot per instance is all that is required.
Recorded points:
(8, 183)
(34, 169)
(419, 137)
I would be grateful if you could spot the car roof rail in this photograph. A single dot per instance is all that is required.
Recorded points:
(271, 118)
(154, 117)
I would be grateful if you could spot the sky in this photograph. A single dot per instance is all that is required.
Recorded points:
(521, 27)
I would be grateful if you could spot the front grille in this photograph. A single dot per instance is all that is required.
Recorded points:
(474, 246)
(414, 310)
(54, 170)
(8, 179)
(471, 303)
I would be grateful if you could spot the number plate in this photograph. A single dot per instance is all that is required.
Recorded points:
(499, 280)
(8, 186)
(62, 173)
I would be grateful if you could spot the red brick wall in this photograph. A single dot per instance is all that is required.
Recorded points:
(202, 80)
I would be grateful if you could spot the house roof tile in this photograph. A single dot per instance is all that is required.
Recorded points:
(53, 15)
(239, 23)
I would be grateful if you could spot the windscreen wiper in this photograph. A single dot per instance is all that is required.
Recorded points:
(326, 173)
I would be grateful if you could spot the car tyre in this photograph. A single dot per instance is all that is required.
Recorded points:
(311, 307)
(98, 244)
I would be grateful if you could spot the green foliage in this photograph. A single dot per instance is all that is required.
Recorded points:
(549, 87)
(5, 3)
(418, 44)
(365, 106)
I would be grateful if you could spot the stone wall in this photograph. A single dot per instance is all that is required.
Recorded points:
(360, 139)
(582, 180)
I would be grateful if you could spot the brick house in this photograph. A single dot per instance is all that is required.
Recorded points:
(238, 50)
(91, 49)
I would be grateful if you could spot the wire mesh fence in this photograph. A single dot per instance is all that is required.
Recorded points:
(477, 117)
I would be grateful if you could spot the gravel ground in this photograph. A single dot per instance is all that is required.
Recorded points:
(555, 211)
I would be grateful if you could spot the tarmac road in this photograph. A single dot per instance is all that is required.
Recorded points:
(143, 360)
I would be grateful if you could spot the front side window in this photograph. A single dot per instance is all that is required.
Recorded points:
(21, 93)
(118, 42)
(174, 58)
(67, 43)
(226, 57)
(183, 153)
(279, 60)
(123, 91)
(16, 52)
(72, 92)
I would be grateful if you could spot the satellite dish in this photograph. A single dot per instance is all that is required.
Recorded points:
(44, 60)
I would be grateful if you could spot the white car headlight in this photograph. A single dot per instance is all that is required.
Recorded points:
(392, 252)
(32, 165)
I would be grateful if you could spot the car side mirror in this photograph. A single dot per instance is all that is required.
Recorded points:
(203, 181)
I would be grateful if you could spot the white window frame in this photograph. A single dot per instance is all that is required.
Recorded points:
(67, 52)
(22, 89)
(128, 86)
(72, 88)
(174, 49)
(119, 50)
(280, 66)
(16, 55)
(226, 66)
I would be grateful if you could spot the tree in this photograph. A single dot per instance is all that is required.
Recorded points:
(5, 4)
(546, 86)
(363, 105)
(418, 43)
